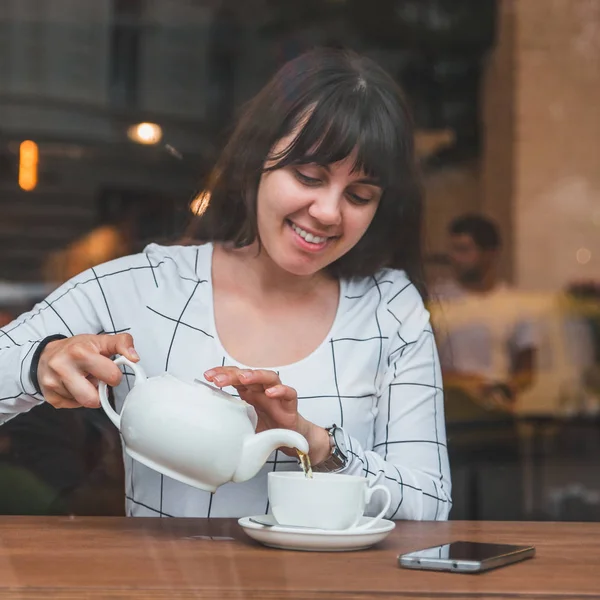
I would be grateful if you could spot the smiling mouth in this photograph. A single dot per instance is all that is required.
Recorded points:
(309, 237)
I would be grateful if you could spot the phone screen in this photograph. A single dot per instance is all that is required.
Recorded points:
(471, 551)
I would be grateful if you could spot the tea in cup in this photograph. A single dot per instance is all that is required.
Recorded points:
(331, 501)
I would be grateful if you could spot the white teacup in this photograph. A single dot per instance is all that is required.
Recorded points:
(327, 501)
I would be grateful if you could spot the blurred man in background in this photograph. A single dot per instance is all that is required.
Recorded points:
(488, 348)
(487, 342)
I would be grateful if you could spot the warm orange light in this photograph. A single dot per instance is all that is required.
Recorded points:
(200, 203)
(145, 133)
(28, 165)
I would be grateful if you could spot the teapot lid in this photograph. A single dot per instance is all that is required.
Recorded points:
(250, 411)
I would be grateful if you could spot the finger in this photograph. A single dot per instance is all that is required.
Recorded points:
(242, 388)
(51, 383)
(262, 377)
(282, 392)
(120, 343)
(253, 389)
(65, 403)
(73, 373)
(101, 368)
(81, 389)
(223, 370)
(280, 410)
(223, 376)
(234, 382)
(60, 401)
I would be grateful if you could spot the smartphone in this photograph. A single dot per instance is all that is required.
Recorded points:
(465, 557)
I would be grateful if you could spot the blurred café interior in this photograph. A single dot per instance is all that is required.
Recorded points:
(112, 111)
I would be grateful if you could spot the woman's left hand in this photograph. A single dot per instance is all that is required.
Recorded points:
(276, 405)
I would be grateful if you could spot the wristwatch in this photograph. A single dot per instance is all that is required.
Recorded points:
(338, 458)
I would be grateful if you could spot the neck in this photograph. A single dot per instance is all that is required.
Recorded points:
(486, 284)
(255, 271)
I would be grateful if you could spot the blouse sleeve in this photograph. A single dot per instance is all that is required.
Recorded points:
(409, 453)
(70, 310)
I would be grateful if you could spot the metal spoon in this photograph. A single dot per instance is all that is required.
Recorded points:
(266, 523)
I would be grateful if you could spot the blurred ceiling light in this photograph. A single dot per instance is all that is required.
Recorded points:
(583, 256)
(145, 133)
(200, 203)
(28, 165)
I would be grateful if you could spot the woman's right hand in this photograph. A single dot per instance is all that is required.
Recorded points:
(69, 369)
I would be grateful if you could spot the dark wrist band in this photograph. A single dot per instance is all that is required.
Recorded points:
(35, 361)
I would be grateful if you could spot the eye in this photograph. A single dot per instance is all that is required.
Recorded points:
(305, 179)
(359, 200)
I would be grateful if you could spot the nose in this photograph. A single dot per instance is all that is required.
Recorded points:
(326, 208)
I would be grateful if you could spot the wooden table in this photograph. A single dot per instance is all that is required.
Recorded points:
(109, 558)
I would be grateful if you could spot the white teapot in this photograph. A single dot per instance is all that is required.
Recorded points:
(193, 432)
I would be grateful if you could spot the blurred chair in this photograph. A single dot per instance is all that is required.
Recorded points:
(484, 451)
(58, 462)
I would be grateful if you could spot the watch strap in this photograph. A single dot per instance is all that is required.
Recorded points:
(336, 461)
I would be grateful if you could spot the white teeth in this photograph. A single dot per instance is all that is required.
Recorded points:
(309, 237)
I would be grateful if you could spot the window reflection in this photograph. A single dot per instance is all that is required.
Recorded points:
(507, 130)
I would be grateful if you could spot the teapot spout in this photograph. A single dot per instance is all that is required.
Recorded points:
(257, 448)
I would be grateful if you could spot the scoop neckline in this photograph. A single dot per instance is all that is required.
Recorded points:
(230, 359)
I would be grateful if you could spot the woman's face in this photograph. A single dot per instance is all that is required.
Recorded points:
(311, 215)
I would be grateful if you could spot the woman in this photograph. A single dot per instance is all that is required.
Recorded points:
(303, 297)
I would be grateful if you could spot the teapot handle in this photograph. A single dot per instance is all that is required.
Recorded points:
(103, 389)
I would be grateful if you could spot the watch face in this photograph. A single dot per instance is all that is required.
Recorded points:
(340, 441)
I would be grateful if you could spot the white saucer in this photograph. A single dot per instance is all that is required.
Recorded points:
(315, 540)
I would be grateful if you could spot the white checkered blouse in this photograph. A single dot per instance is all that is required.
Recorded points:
(376, 375)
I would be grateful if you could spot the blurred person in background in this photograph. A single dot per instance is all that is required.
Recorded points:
(488, 348)
(487, 342)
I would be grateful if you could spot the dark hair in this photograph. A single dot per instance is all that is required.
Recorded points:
(483, 230)
(345, 102)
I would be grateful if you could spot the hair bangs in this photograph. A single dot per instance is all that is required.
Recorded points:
(343, 125)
